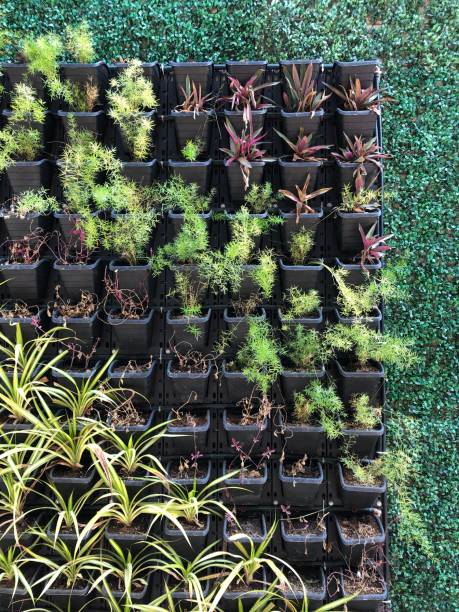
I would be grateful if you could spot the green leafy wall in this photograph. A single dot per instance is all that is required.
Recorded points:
(415, 42)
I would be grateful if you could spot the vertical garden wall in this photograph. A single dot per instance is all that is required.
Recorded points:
(414, 44)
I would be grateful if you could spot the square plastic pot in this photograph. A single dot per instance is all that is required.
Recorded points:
(296, 172)
(188, 438)
(139, 381)
(29, 325)
(358, 496)
(188, 483)
(356, 382)
(235, 180)
(309, 547)
(27, 282)
(245, 434)
(68, 485)
(256, 539)
(132, 335)
(357, 123)
(315, 321)
(68, 224)
(231, 600)
(316, 598)
(238, 327)
(248, 491)
(176, 221)
(292, 123)
(188, 387)
(18, 227)
(134, 431)
(243, 71)
(27, 175)
(346, 172)
(355, 274)
(191, 126)
(363, 70)
(293, 381)
(78, 376)
(352, 549)
(300, 490)
(237, 121)
(198, 539)
(19, 73)
(86, 330)
(198, 72)
(309, 221)
(133, 542)
(363, 442)
(75, 278)
(370, 602)
(18, 599)
(70, 600)
(235, 385)
(141, 172)
(372, 322)
(188, 333)
(304, 277)
(136, 597)
(136, 278)
(198, 172)
(300, 439)
(93, 122)
(348, 234)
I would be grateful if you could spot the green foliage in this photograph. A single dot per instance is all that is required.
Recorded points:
(189, 294)
(301, 243)
(364, 200)
(192, 150)
(305, 349)
(369, 345)
(364, 415)
(259, 356)
(260, 198)
(264, 274)
(300, 303)
(319, 404)
(178, 196)
(129, 96)
(34, 201)
(42, 55)
(25, 106)
(79, 43)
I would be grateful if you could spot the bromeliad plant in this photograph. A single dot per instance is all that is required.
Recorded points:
(302, 197)
(361, 198)
(358, 98)
(320, 404)
(246, 98)
(300, 95)
(361, 151)
(130, 96)
(193, 100)
(302, 149)
(374, 246)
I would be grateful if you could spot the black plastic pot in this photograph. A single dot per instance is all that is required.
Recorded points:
(357, 123)
(248, 491)
(189, 126)
(237, 121)
(348, 234)
(133, 542)
(69, 537)
(353, 549)
(27, 175)
(136, 597)
(188, 483)
(248, 286)
(294, 382)
(198, 72)
(136, 278)
(197, 172)
(256, 539)
(295, 173)
(132, 335)
(315, 321)
(19, 73)
(231, 600)
(367, 602)
(123, 146)
(316, 598)
(70, 600)
(8, 538)
(355, 382)
(245, 434)
(178, 595)
(242, 71)
(68, 224)
(135, 431)
(78, 485)
(30, 326)
(355, 274)
(142, 173)
(364, 71)
(188, 387)
(188, 438)
(235, 385)
(358, 496)
(75, 278)
(17, 599)
(18, 227)
(363, 442)
(346, 172)
(372, 322)
(85, 329)
(188, 333)
(93, 122)
(238, 327)
(307, 547)
(300, 490)
(235, 180)
(139, 381)
(300, 439)
(292, 123)
(79, 376)
(198, 539)
(26, 282)
(304, 277)
(82, 73)
(309, 221)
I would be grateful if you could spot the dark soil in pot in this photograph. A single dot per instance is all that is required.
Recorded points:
(141, 172)
(294, 381)
(349, 239)
(252, 434)
(313, 580)
(238, 326)
(250, 483)
(292, 123)
(310, 221)
(197, 535)
(198, 172)
(354, 494)
(295, 173)
(315, 320)
(28, 175)
(357, 123)
(236, 182)
(131, 423)
(188, 386)
(373, 320)
(239, 593)
(93, 122)
(70, 600)
(30, 325)
(27, 282)
(191, 126)
(135, 376)
(136, 278)
(356, 275)
(300, 482)
(75, 278)
(192, 429)
(234, 384)
(86, 330)
(76, 482)
(372, 591)
(352, 381)
(187, 333)
(132, 335)
(252, 526)
(178, 473)
(130, 537)
(363, 442)
(139, 592)
(305, 277)
(304, 539)
(359, 534)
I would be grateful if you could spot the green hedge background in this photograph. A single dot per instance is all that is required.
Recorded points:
(415, 43)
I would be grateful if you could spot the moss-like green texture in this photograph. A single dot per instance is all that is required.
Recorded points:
(415, 42)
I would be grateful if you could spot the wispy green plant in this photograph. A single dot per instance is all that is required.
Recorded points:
(300, 303)
(320, 404)
(300, 245)
(192, 149)
(305, 349)
(364, 415)
(33, 201)
(79, 43)
(260, 198)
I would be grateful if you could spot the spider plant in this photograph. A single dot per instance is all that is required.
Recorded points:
(302, 197)
(12, 563)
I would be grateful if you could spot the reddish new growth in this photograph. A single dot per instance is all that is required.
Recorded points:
(302, 197)
(374, 247)
(75, 251)
(246, 98)
(129, 304)
(27, 250)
